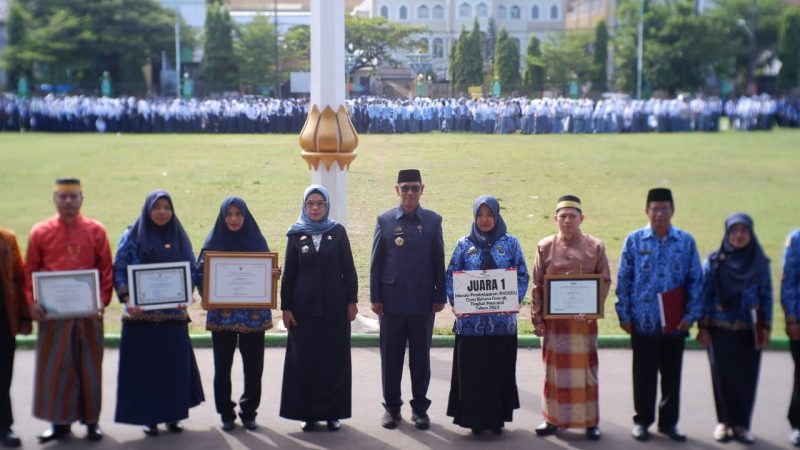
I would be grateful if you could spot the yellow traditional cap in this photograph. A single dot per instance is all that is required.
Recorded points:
(67, 185)
(569, 201)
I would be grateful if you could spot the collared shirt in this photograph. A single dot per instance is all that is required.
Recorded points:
(649, 266)
(506, 253)
(790, 284)
(54, 245)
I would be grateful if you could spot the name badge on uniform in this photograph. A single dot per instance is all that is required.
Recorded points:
(399, 241)
(303, 237)
(472, 251)
(167, 245)
(304, 249)
(398, 236)
(500, 249)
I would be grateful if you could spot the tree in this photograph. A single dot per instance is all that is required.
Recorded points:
(491, 43)
(255, 54)
(789, 76)
(506, 65)
(219, 61)
(377, 40)
(735, 42)
(533, 77)
(471, 56)
(69, 42)
(566, 59)
(456, 62)
(296, 49)
(599, 78)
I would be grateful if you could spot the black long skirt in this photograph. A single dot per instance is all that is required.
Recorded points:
(483, 387)
(317, 373)
(158, 379)
(734, 373)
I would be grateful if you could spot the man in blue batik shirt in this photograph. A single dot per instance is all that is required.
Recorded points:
(656, 259)
(790, 299)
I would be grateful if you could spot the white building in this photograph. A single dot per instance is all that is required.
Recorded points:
(445, 18)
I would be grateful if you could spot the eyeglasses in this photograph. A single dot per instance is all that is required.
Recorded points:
(315, 204)
(410, 187)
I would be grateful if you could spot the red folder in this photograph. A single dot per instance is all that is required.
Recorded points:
(672, 304)
(757, 317)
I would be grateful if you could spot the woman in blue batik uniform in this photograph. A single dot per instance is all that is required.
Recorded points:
(483, 387)
(736, 324)
(158, 380)
(237, 231)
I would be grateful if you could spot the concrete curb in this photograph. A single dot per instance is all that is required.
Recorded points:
(203, 340)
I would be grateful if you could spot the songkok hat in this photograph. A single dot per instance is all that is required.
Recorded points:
(659, 195)
(569, 201)
(409, 176)
(67, 185)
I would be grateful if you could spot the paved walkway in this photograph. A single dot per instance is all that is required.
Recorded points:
(363, 431)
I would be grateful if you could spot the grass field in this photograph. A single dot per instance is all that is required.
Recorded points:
(711, 175)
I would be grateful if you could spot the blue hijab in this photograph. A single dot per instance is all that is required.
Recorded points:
(304, 223)
(734, 270)
(484, 241)
(160, 244)
(246, 239)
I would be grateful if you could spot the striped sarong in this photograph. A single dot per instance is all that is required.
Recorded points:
(69, 357)
(569, 352)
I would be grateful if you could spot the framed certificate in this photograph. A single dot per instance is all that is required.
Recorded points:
(67, 294)
(160, 286)
(566, 296)
(485, 291)
(239, 280)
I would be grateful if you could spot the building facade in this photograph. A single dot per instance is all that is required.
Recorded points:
(445, 19)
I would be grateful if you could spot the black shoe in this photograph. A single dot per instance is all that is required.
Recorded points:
(174, 427)
(55, 433)
(228, 425)
(640, 432)
(593, 433)
(308, 426)
(476, 431)
(9, 439)
(390, 420)
(421, 420)
(673, 433)
(497, 431)
(250, 424)
(334, 425)
(545, 429)
(93, 432)
(150, 430)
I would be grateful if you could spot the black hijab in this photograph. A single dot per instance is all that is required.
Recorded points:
(160, 244)
(246, 239)
(732, 269)
(484, 241)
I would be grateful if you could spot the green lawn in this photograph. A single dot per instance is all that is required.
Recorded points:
(711, 175)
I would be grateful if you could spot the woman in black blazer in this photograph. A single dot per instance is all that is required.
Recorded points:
(319, 292)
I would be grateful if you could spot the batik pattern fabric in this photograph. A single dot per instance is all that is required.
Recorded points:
(757, 296)
(506, 252)
(790, 284)
(649, 266)
(127, 254)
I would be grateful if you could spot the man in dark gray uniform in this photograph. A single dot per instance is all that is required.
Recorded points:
(406, 290)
